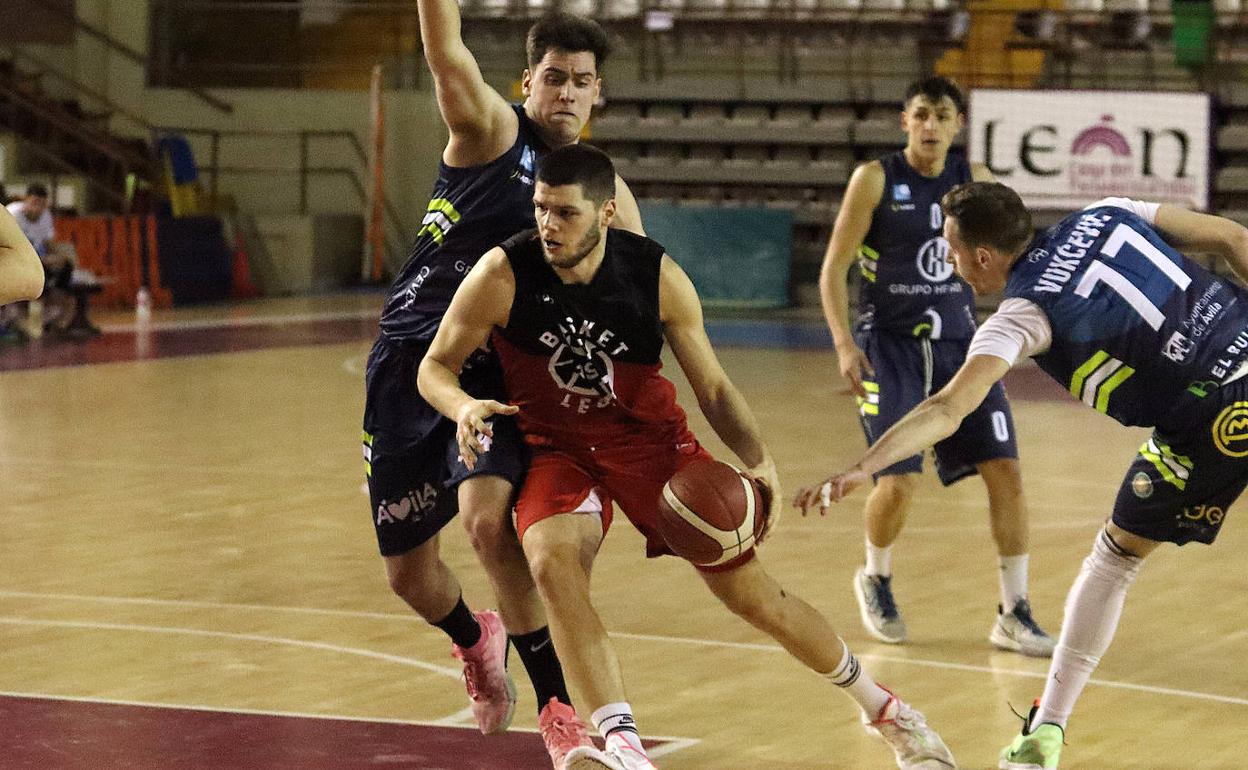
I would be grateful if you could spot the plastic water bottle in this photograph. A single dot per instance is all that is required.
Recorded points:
(143, 305)
(34, 319)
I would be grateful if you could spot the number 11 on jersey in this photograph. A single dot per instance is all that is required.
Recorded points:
(1101, 271)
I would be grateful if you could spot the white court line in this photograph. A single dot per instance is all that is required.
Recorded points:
(458, 719)
(1088, 524)
(671, 743)
(926, 663)
(224, 323)
(142, 601)
(923, 662)
(225, 709)
(453, 673)
(246, 470)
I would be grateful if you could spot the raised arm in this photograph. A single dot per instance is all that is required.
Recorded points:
(863, 194)
(482, 302)
(481, 123)
(931, 421)
(724, 406)
(1192, 231)
(21, 272)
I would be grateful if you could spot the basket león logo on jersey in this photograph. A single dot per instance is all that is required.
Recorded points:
(932, 260)
(1230, 430)
(581, 364)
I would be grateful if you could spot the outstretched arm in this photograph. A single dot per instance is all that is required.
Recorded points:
(482, 302)
(724, 406)
(21, 272)
(1193, 231)
(853, 221)
(482, 125)
(931, 421)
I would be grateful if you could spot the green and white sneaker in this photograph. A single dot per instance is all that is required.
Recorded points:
(1038, 749)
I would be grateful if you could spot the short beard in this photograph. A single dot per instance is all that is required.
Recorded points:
(587, 244)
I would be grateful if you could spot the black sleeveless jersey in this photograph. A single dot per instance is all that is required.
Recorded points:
(582, 361)
(908, 287)
(472, 210)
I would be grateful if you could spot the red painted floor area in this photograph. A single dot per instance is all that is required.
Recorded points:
(165, 343)
(48, 734)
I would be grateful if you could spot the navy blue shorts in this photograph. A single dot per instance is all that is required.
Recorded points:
(908, 370)
(410, 455)
(1188, 473)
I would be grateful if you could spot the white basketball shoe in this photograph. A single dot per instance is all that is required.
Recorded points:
(905, 730)
(618, 756)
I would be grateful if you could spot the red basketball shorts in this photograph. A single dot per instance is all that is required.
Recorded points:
(590, 481)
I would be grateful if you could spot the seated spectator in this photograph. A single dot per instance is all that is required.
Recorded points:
(34, 217)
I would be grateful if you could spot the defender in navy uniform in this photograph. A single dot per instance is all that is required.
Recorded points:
(1109, 307)
(915, 319)
(416, 481)
(579, 315)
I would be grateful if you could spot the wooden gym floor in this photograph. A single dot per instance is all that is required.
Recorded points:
(189, 578)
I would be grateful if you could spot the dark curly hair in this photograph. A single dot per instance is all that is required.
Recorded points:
(566, 32)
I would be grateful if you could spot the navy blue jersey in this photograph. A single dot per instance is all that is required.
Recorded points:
(1139, 331)
(472, 210)
(908, 286)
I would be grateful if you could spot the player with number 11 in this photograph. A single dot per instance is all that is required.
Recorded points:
(1107, 305)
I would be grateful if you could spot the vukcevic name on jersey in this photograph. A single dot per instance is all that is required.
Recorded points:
(1138, 329)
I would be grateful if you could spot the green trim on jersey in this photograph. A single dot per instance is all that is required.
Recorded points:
(871, 404)
(868, 262)
(441, 217)
(1174, 468)
(1097, 379)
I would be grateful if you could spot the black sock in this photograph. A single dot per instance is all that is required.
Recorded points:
(461, 626)
(538, 654)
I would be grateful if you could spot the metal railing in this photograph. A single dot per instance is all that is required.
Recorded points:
(305, 171)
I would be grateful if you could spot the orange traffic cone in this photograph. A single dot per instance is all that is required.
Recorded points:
(242, 286)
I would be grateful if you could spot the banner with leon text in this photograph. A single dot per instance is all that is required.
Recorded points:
(1066, 149)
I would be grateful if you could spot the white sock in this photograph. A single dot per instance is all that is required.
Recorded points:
(1093, 608)
(879, 560)
(1013, 579)
(615, 723)
(858, 684)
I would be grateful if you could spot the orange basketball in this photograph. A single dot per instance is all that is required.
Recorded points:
(710, 513)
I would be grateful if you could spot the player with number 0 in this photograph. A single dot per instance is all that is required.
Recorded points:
(1107, 304)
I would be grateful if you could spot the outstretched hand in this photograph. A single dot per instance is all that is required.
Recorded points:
(854, 364)
(473, 432)
(833, 490)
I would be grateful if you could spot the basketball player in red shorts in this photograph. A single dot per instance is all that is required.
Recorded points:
(578, 315)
